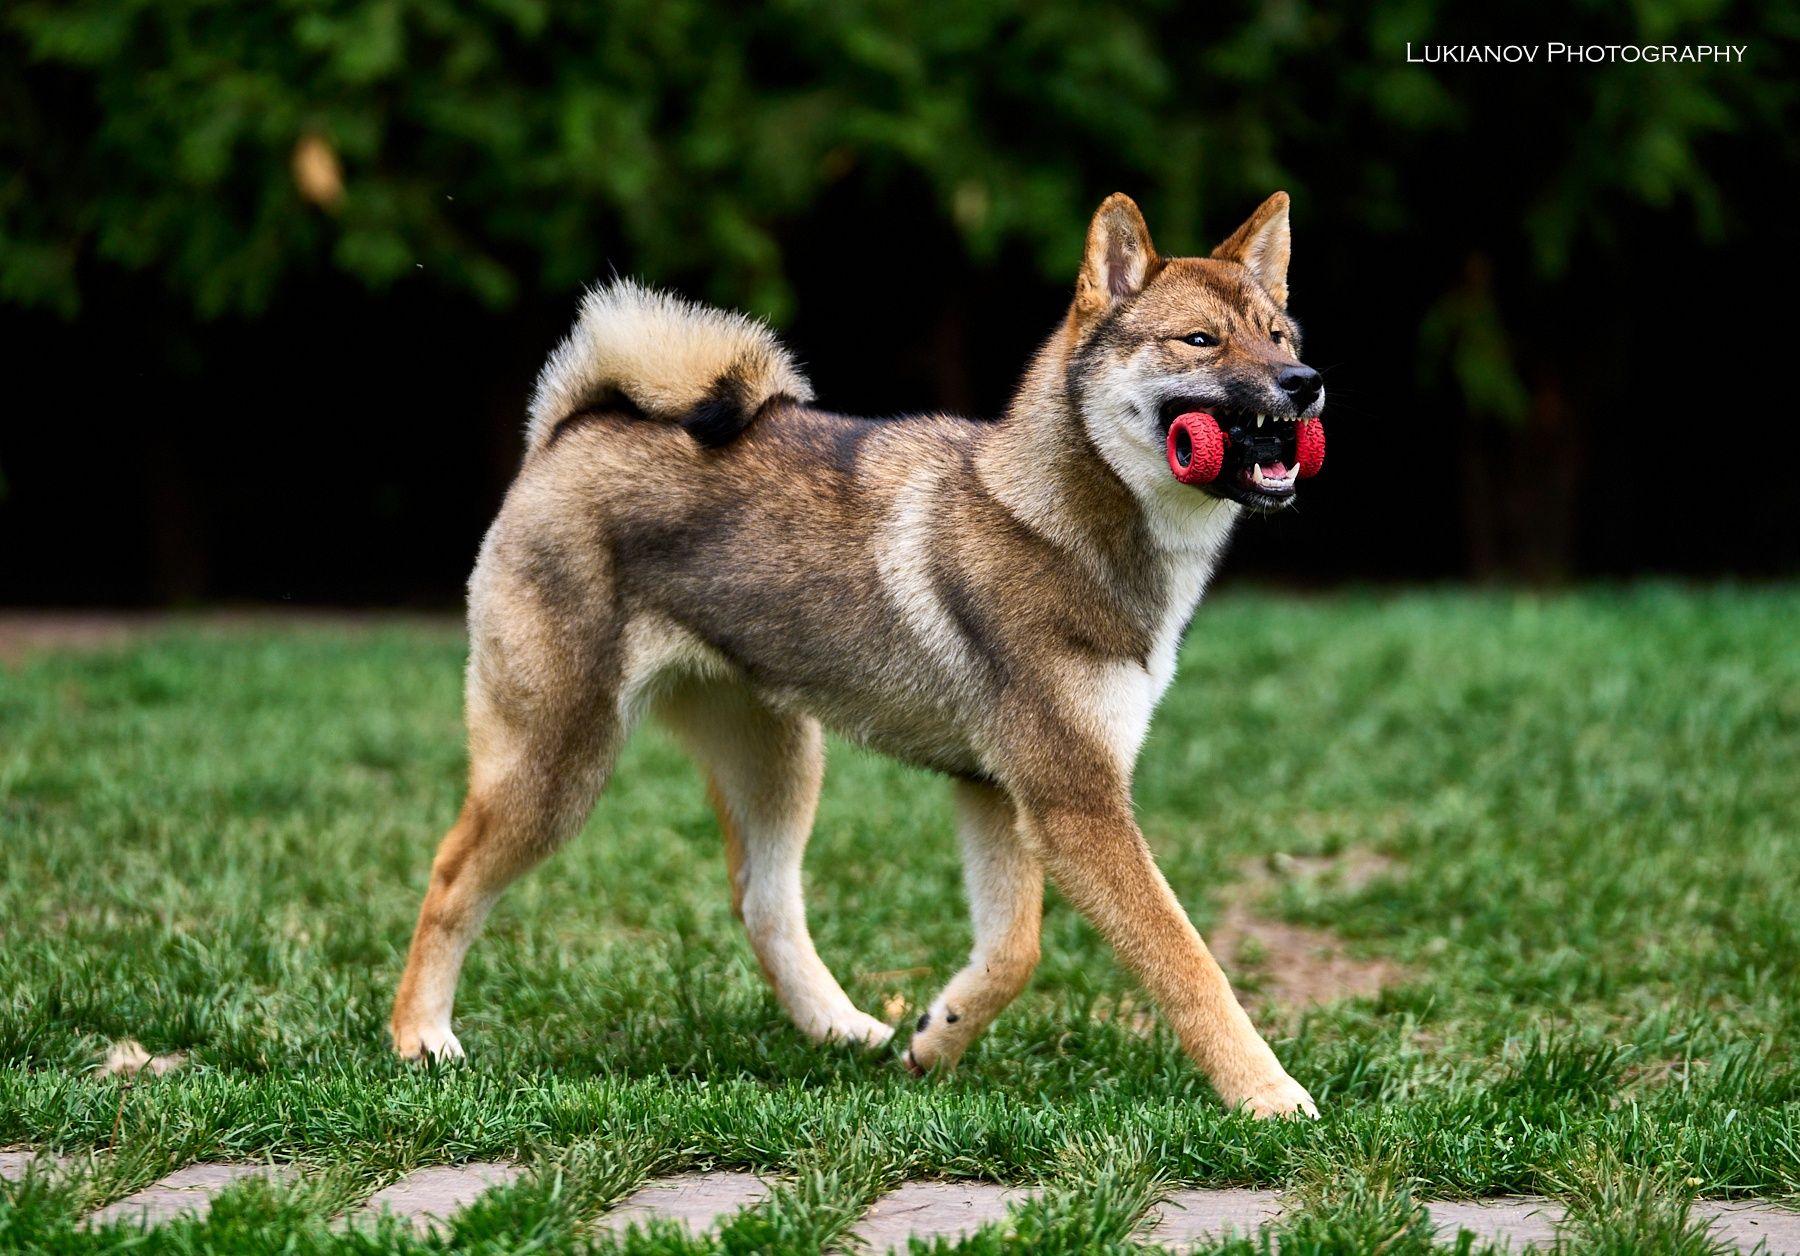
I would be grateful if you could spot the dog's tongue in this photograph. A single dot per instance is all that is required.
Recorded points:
(1277, 469)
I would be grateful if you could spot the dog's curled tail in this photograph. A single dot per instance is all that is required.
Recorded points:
(667, 358)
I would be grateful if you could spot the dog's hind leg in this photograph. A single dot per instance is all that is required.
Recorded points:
(544, 729)
(764, 770)
(1005, 885)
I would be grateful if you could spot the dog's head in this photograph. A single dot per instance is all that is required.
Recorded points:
(1158, 337)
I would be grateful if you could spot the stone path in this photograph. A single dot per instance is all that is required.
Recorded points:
(1517, 1222)
(933, 1210)
(1188, 1218)
(1744, 1225)
(188, 1190)
(428, 1197)
(695, 1201)
(15, 1164)
(699, 1202)
(1528, 1223)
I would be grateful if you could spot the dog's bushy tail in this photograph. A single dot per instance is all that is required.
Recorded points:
(666, 358)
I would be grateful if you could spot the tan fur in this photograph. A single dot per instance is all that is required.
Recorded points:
(1262, 246)
(1000, 602)
(1004, 878)
(660, 352)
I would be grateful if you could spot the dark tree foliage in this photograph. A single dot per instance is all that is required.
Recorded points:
(1500, 222)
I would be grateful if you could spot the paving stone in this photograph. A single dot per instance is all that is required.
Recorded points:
(190, 1191)
(1188, 1218)
(1519, 1222)
(695, 1201)
(427, 1197)
(1746, 1224)
(934, 1210)
(15, 1164)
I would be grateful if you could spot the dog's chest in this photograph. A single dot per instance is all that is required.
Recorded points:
(1123, 693)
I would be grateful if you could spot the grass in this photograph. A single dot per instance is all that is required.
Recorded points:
(216, 844)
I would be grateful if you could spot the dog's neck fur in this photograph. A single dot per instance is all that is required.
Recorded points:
(1091, 494)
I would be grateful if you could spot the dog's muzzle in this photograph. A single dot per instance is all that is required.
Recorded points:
(1260, 455)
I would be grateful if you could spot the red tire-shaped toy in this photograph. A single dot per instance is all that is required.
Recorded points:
(1196, 448)
(1309, 447)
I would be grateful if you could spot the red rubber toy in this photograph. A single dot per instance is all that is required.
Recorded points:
(1197, 448)
(1309, 447)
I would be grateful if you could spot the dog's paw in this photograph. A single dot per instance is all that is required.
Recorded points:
(425, 1046)
(849, 1026)
(1282, 1098)
(936, 1042)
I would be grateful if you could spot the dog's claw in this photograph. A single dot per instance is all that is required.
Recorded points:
(431, 1046)
(856, 1028)
(1283, 1098)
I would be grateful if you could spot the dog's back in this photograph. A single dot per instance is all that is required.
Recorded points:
(781, 559)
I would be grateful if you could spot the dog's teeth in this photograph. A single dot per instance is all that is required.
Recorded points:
(1256, 474)
(1259, 419)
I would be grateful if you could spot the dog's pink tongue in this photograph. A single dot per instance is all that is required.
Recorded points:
(1278, 471)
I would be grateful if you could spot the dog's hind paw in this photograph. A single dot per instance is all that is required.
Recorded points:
(426, 1046)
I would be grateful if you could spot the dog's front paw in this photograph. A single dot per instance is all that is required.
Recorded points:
(423, 1045)
(850, 1026)
(1284, 1098)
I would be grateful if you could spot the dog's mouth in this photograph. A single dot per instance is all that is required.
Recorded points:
(1254, 459)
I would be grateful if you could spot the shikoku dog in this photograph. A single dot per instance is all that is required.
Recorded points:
(690, 536)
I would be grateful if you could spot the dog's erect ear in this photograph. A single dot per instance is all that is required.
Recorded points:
(1120, 258)
(1262, 245)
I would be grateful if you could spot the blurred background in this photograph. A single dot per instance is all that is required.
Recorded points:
(275, 278)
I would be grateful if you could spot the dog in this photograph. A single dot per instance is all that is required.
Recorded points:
(689, 536)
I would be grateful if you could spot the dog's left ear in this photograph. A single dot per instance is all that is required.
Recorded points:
(1262, 246)
(1120, 258)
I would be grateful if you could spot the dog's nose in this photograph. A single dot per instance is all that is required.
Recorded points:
(1301, 383)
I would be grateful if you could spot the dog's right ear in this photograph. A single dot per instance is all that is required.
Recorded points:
(1120, 258)
(1262, 246)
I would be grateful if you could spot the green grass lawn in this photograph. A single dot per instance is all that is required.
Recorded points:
(216, 844)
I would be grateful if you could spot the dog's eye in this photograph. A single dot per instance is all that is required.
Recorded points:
(1199, 339)
(1275, 334)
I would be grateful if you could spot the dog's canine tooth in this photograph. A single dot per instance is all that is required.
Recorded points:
(1260, 418)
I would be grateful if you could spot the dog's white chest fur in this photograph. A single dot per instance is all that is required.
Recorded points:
(1124, 694)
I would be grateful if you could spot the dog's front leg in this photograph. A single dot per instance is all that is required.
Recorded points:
(1005, 884)
(1098, 858)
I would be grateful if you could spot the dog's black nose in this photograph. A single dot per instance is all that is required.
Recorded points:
(1301, 383)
